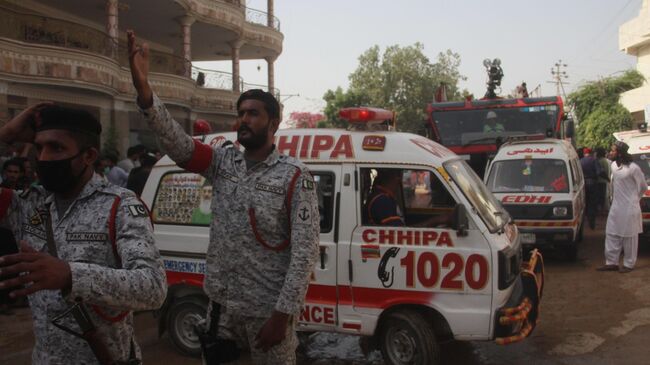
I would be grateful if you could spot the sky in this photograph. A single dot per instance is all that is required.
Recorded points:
(323, 40)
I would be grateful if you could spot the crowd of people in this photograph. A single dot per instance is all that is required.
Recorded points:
(615, 175)
(131, 172)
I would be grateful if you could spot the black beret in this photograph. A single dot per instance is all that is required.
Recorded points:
(70, 119)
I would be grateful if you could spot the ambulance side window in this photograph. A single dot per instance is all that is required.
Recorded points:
(325, 192)
(574, 173)
(425, 197)
(402, 197)
(182, 198)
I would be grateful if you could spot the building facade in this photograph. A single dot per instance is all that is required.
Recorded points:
(74, 53)
(634, 39)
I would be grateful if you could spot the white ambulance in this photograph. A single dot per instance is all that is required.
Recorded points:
(639, 142)
(407, 286)
(540, 183)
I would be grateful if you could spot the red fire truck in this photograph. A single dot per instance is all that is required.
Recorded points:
(474, 129)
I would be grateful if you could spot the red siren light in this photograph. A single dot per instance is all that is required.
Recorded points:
(364, 115)
(201, 127)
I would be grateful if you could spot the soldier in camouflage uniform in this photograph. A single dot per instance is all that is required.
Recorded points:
(112, 271)
(265, 227)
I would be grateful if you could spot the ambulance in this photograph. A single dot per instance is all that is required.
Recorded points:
(639, 142)
(539, 182)
(407, 287)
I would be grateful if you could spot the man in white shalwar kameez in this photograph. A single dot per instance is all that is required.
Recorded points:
(624, 221)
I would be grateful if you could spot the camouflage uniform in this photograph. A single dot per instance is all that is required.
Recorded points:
(82, 239)
(262, 248)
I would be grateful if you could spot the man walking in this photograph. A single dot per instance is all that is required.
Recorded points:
(83, 241)
(590, 171)
(624, 220)
(265, 225)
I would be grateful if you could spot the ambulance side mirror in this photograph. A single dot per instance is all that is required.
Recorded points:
(569, 128)
(459, 220)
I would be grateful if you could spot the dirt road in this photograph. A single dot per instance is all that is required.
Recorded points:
(588, 317)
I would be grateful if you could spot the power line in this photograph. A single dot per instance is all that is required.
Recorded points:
(558, 76)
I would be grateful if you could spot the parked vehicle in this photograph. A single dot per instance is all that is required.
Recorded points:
(540, 183)
(408, 286)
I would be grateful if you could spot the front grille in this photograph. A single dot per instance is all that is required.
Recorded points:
(520, 211)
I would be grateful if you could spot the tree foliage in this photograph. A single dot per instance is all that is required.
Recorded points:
(598, 111)
(304, 119)
(403, 79)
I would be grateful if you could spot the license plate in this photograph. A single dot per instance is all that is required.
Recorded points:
(528, 238)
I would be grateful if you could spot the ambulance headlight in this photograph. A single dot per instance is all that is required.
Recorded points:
(560, 211)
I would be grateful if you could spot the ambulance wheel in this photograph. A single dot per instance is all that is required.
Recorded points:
(183, 315)
(407, 338)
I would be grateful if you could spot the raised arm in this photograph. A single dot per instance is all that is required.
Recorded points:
(183, 149)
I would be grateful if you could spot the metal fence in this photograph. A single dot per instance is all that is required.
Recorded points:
(33, 28)
(210, 79)
(259, 17)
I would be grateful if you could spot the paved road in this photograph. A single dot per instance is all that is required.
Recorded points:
(588, 317)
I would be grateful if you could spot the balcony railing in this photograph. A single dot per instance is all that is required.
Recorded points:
(213, 79)
(223, 80)
(32, 28)
(158, 61)
(259, 17)
(38, 29)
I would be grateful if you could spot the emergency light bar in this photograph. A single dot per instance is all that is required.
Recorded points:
(366, 115)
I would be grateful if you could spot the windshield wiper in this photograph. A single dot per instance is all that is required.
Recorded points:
(478, 140)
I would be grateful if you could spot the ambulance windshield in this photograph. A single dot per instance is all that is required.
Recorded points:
(528, 175)
(488, 208)
(467, 127)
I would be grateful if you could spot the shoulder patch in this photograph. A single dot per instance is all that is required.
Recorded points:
(137, 210)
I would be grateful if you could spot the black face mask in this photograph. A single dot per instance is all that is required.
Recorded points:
(57, 176)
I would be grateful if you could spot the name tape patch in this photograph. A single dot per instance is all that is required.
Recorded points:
(86, 236)
(226, 175)
(34, 231)
(271, 189)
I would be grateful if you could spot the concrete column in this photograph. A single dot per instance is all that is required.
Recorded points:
(186, 26)
(269, 12)
(4, 104)
(235, 46)
(271, 72)
(111, 28)
(119, 121)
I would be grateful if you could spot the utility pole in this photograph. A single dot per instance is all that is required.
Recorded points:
(558, 76)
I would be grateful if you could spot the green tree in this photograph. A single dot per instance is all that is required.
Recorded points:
(338, 99)
(598, 111)
(403, 79)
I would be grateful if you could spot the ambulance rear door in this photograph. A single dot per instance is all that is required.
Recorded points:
(320, 310)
